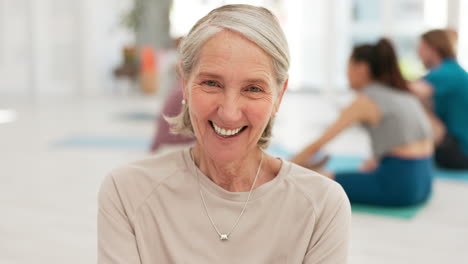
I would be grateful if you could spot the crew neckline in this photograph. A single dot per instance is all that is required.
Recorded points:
(213, 188)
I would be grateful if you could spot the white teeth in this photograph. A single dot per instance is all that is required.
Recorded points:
(226, 132)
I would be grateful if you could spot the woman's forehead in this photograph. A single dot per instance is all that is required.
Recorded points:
(227, 51)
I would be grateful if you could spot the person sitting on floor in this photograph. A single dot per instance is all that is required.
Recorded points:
(446, 88)
(401, 171)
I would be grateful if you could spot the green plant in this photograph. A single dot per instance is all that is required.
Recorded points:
(131, 18)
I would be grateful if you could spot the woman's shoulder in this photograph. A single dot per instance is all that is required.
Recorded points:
(133, 182)
(320, 191)
(379, 93)
(152, 169)
(387, 96)
(382, 89)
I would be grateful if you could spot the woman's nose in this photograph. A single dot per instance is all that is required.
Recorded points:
(230, 109)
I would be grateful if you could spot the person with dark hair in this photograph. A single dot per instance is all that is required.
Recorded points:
(400, 172)
(446, 88)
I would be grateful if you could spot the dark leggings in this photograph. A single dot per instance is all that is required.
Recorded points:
(396, 182)
(449, 155)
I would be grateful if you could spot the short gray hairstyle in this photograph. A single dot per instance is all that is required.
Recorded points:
(256, 24)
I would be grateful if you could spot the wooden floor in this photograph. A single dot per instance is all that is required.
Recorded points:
(48, 189)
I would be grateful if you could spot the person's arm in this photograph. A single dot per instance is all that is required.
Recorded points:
(361, 110)
(424, 91)
(438, 82)
(330, 241)
(116, 236)
(421, 89)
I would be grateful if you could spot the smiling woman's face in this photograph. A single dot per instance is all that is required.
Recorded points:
(232, 95)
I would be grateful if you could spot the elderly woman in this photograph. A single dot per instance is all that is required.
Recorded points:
(225, 200)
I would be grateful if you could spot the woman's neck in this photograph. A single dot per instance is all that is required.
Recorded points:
(234, 176)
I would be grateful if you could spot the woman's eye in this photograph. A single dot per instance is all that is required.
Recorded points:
(254, 89)
(211, 83)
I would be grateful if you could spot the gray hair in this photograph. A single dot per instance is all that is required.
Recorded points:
(258, 25)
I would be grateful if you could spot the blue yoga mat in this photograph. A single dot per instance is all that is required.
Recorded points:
(406, 212)
(452, 174)
(133, 143)
(350, 163)
(344, 163)
(276, 150)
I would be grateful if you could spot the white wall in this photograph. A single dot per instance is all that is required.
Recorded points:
(60, 48)
(15, 52)
(319, 37)
(463, 34)
(57, 48)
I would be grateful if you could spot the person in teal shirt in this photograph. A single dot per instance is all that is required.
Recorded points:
(446, 84)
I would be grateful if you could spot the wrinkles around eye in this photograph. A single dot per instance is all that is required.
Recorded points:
(211, 83)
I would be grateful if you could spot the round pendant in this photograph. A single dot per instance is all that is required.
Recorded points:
(223, 237)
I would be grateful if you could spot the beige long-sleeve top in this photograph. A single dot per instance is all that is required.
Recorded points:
(151, 212)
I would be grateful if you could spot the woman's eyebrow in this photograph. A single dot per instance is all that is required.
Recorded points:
(209, 75)
(256, 80)
(215, 76)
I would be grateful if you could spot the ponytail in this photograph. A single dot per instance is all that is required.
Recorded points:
(383, 63)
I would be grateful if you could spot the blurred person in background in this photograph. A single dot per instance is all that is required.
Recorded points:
(453, 37)
(400, 172)
(445, 87)
(163, 139)
(225, 200)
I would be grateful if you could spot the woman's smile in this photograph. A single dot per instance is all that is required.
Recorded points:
(227, 132)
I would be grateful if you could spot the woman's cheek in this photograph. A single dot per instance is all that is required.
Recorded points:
(261, 110)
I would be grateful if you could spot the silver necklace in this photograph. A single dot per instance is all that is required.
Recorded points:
(225, 236)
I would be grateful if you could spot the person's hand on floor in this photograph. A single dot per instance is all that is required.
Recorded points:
(313, 162)
(369, 165)
(318, 163)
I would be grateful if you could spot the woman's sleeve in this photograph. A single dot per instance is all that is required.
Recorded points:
(116, 236)
(330, 241)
